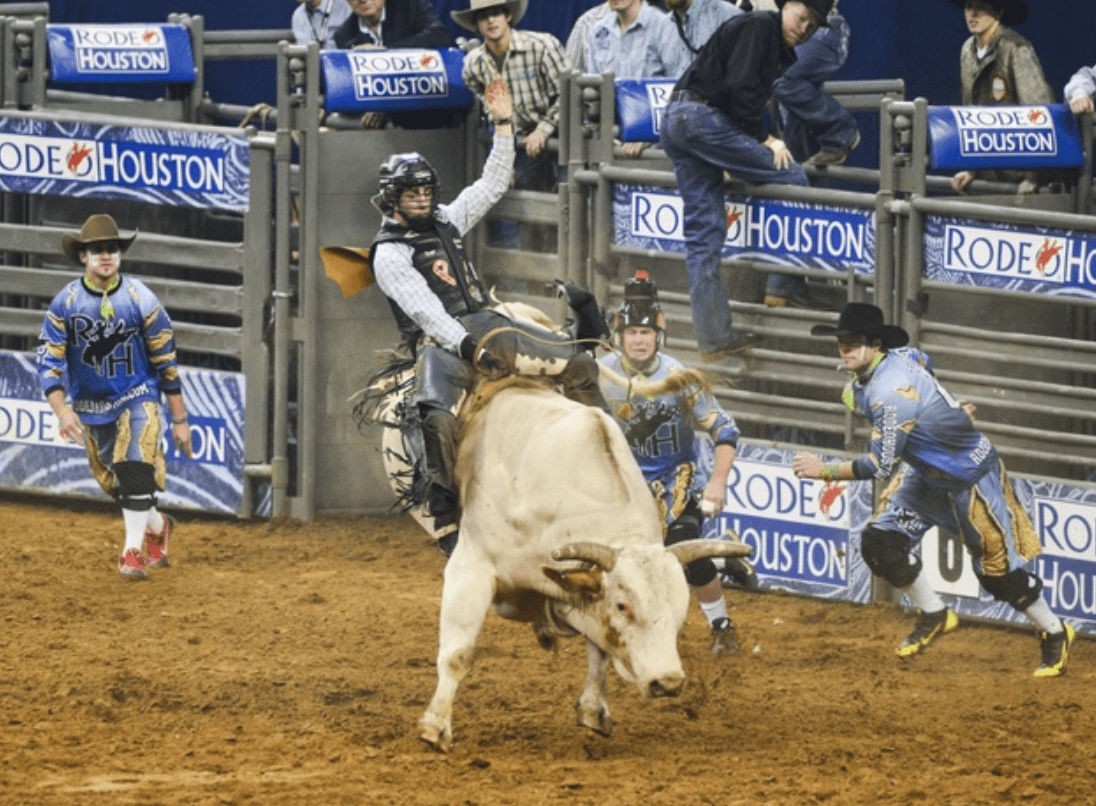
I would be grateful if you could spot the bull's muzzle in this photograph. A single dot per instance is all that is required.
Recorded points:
(668, 685)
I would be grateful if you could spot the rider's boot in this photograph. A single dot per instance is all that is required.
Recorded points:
(439, 444)
(579, 381)
(590, 325)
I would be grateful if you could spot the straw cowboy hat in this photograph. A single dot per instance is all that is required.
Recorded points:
(862, 319)
(467, 18)
(100, 227)
(1013, 12)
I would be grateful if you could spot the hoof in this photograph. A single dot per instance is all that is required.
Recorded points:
(600, 722)
(438, 737)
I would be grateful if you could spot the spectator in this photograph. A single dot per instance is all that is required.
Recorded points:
(814, 122)
(713, 124)
(408, 24)
(939, 471)
(998, 66)
(580, 32)
(1080, 90)
(689, 24)
(661, 429)
(316, 21)
(618, 42)
(531, 64)
(106, 354)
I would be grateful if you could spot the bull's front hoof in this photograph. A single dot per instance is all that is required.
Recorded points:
(599, 721)
(438, 737)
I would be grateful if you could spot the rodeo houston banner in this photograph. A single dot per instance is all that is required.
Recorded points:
(34, 458)
(764, 230)
(185, 167)
(640, 106)
(393, 80)
(994, 137)
(1006, 256)
(805, 534)
(98, 54)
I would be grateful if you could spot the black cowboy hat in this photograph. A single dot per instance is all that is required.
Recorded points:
(820, 8)
(100, 227)
(1013, 12)
(863, 319)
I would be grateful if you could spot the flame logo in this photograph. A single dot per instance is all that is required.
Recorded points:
(1037, 117)
(733, 214)
(1047, 253)
(77, 155)
(428, 61)
(830, 495)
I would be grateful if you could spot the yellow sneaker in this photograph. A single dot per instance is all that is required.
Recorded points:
(1055, 651)
(929, 626)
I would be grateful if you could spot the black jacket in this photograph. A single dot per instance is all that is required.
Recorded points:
(407, 24)
(735, 70)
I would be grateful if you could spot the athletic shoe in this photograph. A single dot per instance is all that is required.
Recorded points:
(156, 544)
(131, 565)
(736, 346)
(1055, 651)
(824, 159)
(724, 637)
(929, 626)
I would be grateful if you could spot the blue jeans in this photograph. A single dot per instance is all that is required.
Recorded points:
(813, 119)
(702, 143)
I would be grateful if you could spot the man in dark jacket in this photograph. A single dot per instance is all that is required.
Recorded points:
(714, 124)
(405, 24)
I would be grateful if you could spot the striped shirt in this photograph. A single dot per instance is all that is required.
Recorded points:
(392, 265)
(608, 50)
(531, 69)
(668, 54)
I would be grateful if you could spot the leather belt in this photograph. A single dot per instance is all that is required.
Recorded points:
(688, 95)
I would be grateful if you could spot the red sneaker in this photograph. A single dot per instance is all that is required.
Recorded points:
(156, 544)
(131, 565)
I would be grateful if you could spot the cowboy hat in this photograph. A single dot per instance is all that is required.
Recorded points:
(99, 227)
(467, 18)
(1013, 12)
(820, 8)
(863, 319)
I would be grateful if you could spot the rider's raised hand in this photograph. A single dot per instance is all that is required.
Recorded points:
(497, 96)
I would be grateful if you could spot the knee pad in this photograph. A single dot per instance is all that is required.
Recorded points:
(699, 572)
(888, 555)
(136, 485)
(1019, 588)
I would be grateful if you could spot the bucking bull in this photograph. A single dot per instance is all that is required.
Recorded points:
(559, 529)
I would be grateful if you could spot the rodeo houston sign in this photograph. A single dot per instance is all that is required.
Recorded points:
(1007, 256)
(805, 534)
(180, 166)
(393, 80)
(81, 54)
(33, 457)
(765, 230)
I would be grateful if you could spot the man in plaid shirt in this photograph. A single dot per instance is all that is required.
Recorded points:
(530, 62)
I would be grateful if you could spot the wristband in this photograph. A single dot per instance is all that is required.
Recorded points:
(829, 473)
(506, 122)
(179, 420)
(61, 413)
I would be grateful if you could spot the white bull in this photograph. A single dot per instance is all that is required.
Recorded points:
(560, 528)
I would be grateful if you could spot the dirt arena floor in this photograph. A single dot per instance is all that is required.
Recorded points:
(285, 663)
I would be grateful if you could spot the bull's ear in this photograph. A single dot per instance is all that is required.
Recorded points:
(580, 582)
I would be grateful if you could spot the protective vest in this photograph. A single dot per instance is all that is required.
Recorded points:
(438, 255)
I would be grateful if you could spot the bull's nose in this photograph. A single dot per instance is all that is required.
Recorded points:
(668, 685)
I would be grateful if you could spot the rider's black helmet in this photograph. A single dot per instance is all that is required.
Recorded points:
(401, 172)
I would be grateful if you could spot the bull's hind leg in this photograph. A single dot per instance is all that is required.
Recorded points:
(592, 705)
(466, 597)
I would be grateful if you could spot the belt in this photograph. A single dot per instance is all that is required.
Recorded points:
(688, 95)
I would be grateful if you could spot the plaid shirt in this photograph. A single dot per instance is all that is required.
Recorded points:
(531, 68)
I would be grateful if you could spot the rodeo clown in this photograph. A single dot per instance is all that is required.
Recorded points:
(661, 405)
(446, 316)
(112, 340)
(942, 472)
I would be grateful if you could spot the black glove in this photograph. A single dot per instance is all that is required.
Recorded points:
(590, 322)
(482, 358)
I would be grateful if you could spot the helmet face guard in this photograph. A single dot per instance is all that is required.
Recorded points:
(402, 172)
(640, 307)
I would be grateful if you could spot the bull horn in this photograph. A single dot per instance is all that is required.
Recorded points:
(689, 551)
(604, 557)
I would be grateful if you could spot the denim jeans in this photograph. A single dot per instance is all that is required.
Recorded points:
(814, 120)
(702, 143)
